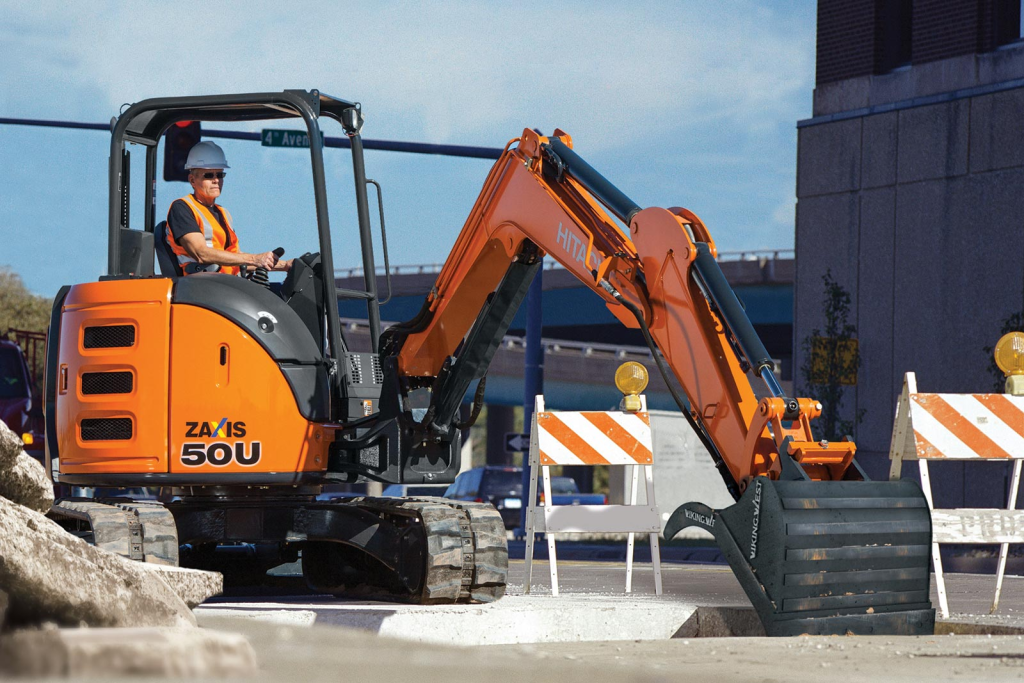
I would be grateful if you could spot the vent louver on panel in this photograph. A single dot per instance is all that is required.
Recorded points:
(107, 383)
(107, 429)
(378, 372)
(356, 363)
(109, 337)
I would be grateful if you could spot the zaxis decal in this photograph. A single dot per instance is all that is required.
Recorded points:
(223, 428)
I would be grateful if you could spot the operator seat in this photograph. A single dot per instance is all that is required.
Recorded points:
(165, 257)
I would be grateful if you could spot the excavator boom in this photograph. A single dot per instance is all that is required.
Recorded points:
(798, 538)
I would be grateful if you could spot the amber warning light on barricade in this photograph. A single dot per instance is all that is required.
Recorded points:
(631, 378)
(1009, 355)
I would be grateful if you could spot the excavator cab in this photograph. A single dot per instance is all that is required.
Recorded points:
(299, 330)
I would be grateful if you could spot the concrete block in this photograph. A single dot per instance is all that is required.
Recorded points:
(921, 297)
(10, 446)
(878, 161)
(25, 483)
(852, 93)
(874, 318)
(895, 86)
(51, 575)
(944, 75)
(193, 586)
(933, 141)
(102, 653)
(534, 618)
(827, 237)
(959, 273)
(828, 158)
(1001, 65)
(997, 137)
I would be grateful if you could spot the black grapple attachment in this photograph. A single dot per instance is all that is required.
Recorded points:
(826, 558)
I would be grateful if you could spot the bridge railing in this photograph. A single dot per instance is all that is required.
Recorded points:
(551, 264)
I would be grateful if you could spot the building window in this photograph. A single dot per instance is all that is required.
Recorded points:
(893, 28)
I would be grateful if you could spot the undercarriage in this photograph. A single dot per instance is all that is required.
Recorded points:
(418, 550)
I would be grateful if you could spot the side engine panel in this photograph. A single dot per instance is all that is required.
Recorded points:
(231, 409)
(152, 392)
(112, 379)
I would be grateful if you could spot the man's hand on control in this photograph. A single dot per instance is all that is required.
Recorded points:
(267, 260)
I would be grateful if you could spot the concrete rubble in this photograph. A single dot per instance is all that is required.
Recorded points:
(82, 653)
(51, 575)
(50, 578)
(22, 479)
(193, 586)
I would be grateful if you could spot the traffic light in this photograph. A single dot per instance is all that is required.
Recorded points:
(178, 140)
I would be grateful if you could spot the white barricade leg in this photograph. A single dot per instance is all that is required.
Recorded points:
(531, 533)
(552, 558)
(940, 583)
(634, 470)
(1011, 504)
(533, 458)
(655, 544)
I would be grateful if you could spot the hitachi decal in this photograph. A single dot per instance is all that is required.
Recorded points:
(703, 520)
(757, 519)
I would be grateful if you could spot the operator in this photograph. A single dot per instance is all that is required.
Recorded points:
(200, 230)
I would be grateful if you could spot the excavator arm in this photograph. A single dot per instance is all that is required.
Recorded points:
(658, 274)
(817, 547)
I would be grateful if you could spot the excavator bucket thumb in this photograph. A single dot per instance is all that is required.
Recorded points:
(827, 558)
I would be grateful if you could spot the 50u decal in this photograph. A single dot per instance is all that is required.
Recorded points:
(220, 454)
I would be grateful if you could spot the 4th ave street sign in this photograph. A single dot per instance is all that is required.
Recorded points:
(515, 443)
(273, 137)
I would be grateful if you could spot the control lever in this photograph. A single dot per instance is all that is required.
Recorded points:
(260, 275)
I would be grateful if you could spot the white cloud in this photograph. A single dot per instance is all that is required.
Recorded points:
(608, 73)
(680, 103)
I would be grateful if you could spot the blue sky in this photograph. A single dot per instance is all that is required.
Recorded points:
(680, 103)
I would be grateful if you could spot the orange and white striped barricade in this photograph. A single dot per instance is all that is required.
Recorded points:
(962, 427)
(612, 438)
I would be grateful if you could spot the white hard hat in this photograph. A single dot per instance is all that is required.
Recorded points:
(206, 155)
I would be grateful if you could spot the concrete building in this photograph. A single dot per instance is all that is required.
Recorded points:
(910, 187)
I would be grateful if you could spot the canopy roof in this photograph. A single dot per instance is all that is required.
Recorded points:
(144, 122)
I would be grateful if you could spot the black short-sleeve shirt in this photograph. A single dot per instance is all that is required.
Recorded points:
(182, 221)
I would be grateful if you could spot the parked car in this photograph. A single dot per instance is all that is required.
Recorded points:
(502, 487)
(15, 388)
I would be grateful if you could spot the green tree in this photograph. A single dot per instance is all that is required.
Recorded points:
(831, 359)
(20, 309)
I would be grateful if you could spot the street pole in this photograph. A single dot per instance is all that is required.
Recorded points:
(533, 379)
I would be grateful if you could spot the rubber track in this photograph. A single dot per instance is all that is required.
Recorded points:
(466, 548)
(138, 531)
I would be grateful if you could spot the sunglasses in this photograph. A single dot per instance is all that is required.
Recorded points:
(210, 175)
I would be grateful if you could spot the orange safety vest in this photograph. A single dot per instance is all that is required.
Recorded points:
(217, 236)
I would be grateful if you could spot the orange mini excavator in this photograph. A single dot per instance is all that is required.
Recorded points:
(245, 402)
